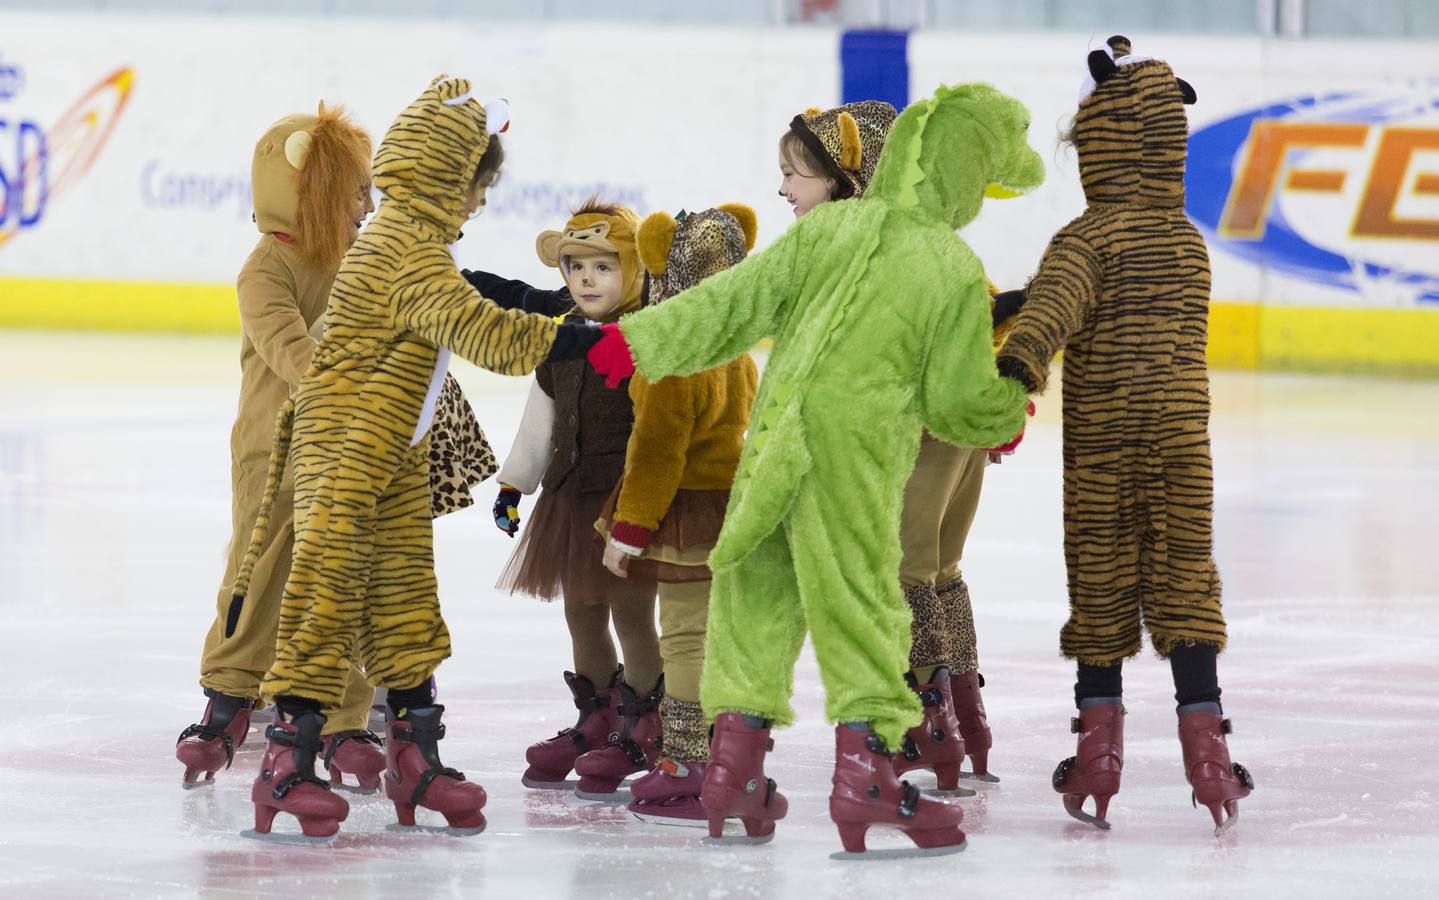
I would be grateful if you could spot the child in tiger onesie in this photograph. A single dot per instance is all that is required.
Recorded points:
(356, 432)
(830, 155)
(571, 441)
(311, 178)
(664, 517)
(1124, 291)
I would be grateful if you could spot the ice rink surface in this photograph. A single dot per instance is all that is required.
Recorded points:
(114, 516)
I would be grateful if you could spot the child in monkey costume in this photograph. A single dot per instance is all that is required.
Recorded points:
(572, 442)
(1124, 291)
(882, 327)
(664, 517)
(356, 431)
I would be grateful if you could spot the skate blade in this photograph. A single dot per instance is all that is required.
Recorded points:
(657, 819)
(190, 784)
(620, 796)
(941, 794)
(355, 789)
(535, 784)
(447, 830)
(280, 837)
(736, 840)
(986, 778)
(1227, 824)
(899, 852)
(1087, 819)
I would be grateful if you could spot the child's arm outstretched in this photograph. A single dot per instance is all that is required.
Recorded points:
(511, 293)
(721, 317)
(529, 456)
(962, 398)
(1057, 302)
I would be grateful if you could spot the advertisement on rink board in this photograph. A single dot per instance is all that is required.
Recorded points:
(125, 145)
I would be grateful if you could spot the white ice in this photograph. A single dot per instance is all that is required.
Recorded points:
(114, 514)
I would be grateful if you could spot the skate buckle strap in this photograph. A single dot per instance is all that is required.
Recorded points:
(874, 744)
(417, 734)
(365, 737)
(576, 736)
(635, 752)
(640, 706)
(1074, 725)
(428, 776)
(930, 696)
(590, 704)
(294, 780)
(209, 733)
(292, 739)
(1225, 727)
(1062, 772)
(910, 803)
(910, 749)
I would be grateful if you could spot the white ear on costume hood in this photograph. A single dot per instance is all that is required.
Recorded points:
(497, 115)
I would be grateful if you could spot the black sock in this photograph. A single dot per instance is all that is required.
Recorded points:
(421, 695)
(291, 706)
(1196, 673)
(1098, 681)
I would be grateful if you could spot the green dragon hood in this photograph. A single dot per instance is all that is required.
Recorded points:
(946, 153)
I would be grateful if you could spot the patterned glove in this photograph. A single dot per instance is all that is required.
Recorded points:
(611, 356)
(507, 510)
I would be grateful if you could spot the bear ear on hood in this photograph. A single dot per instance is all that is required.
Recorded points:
(547, 246)
(297, 149)
(748, 223)
(851, 151)
(655, 237)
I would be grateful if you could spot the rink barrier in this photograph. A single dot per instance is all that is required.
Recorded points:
(1396, 342)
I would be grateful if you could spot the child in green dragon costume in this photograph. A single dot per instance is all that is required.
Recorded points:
(881, 323)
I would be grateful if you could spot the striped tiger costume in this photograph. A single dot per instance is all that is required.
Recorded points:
(363, 574)
(1124, 290)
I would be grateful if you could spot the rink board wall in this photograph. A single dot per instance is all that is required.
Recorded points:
(125, 144)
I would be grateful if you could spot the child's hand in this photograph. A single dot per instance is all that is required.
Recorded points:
(616, 560)
(507, 510)
(1007, 449)
(611, 356)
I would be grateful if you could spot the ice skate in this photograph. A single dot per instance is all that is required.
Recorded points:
(1217, 784)
(602, 771)
(415, 776)
(935, 743)
(552, 760)
(357, 753)
(1095, 768)
(670, 795)
(968, 708)
(867, 792)
(735, 784)
(210, 744)
(287, 783)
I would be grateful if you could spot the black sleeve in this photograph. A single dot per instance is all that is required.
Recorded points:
(1007, 305)
(573, 342)
(1012, 368)
(508, 293)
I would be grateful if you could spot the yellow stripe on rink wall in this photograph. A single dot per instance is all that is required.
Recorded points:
(1241, 335)
(118, 306)
(1401, 342)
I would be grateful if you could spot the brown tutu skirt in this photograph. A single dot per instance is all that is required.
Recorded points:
(559, 555)
(679, 551)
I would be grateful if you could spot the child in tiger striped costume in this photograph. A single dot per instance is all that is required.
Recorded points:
(356, 433)
(1124, 290)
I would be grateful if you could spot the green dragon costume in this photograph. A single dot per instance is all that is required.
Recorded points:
(881, 323)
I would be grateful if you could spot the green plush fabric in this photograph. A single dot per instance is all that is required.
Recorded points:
(881, 326)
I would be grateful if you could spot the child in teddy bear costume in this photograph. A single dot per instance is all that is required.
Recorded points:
(1124, 290)
(881, 325)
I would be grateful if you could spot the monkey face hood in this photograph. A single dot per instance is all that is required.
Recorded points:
(945, 153)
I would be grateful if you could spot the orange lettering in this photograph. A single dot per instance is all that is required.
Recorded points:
(1376, 216)
(1269, 142)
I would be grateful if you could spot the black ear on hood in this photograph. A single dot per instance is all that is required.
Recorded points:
(1101, 67)
(1187, 90)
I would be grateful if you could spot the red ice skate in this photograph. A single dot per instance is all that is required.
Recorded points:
(935, 743)
(358, 753)
(1095, 768)
(210, 744)
(973, 726)
(735, 783)
(553, 759)
(287, 783)
(670, 794)
(867, 792)
(415, 776)
(1218, 784)
(604, 769)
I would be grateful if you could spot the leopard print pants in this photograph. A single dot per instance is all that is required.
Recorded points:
(943, 627)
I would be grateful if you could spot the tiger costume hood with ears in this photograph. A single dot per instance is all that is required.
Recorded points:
(305, 171)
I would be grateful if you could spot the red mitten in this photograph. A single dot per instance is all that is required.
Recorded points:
(611, 356)
(1009, 447)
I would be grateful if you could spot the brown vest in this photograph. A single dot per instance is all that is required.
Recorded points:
(592, 425)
